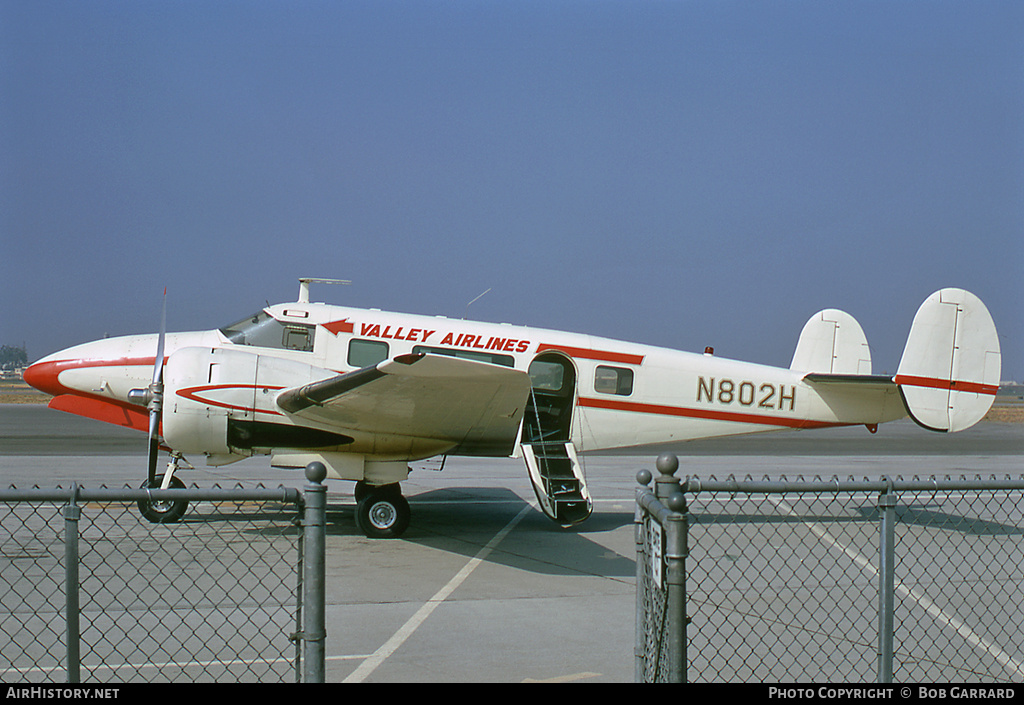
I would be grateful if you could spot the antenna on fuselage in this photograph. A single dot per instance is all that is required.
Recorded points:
(304, 283)
(473, 302)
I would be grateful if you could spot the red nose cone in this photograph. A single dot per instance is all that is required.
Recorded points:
(43, 376)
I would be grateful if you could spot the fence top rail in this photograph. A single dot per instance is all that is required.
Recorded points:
(655, 507)
(288, 495)
(693, 485)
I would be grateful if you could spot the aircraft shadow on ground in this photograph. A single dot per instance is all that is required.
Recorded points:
(916, 515)
(923, 515)
(464, 520)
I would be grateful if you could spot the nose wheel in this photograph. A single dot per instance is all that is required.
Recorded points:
(165, 511)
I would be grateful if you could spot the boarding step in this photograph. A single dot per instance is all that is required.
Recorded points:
(558, 481)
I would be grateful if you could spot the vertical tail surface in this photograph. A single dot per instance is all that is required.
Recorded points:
(832, 342)
(949, 373)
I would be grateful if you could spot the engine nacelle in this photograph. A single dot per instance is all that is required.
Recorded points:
(203, 389)
(221, 402)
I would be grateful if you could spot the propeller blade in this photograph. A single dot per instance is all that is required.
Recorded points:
(156, 395)
(158, 366)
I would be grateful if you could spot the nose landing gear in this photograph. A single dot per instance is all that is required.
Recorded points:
(165, 511)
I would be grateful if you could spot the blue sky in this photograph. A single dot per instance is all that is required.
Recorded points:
(702, 172)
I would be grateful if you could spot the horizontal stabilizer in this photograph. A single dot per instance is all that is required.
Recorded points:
(949, 373)
(866, 399)
(881, 382)
(832, 342)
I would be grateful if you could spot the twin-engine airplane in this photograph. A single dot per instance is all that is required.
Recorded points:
(365, 392)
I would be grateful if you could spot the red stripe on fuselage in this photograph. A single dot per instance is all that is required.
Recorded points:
(45, 376)
(112, 412)
(707, 414)
(586, 353)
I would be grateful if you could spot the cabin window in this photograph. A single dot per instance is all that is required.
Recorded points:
(264, 331)
(613, 380)
(493, 358)
(366, 353)
(298, 337)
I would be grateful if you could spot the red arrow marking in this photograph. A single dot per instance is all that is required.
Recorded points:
(342, 326)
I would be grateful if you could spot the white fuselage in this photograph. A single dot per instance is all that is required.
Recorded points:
(601, 394)
(362, 392)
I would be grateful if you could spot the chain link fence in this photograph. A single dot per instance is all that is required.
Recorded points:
(91, 591)
(833, 580)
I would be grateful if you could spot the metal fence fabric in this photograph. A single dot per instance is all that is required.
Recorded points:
(836, 580)
(660, 652)
(782, 588)
(214, 597)
(652, 611)
(32, 628)
(960, 586)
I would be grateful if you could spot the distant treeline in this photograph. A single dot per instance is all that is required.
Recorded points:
(12, 356)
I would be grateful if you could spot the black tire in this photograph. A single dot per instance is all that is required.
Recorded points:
(362, 489)
(383, 514)
(164, 512)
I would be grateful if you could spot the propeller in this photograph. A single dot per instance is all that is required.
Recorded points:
(153, 396)
(164, 511)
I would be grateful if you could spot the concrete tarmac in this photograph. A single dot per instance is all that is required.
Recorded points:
(482, 587)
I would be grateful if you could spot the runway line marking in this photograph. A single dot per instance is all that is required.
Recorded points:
(389, 647)
(94, 668)
(571, 678)
(969, 635)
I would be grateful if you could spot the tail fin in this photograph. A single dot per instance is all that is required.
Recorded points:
(949, 373)
(832, 342)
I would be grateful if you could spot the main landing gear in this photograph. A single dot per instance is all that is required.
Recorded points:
(381, 510)
(165, 511)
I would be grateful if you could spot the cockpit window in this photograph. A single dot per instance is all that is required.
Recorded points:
(264, 331)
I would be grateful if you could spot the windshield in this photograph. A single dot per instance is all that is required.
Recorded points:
(263, 330)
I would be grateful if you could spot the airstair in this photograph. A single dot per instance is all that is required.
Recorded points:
(558, 481)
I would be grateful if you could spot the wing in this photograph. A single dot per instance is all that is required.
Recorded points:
(467, 406)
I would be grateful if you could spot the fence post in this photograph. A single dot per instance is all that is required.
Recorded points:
(676, 551)
(886, 581)
(314, 629)
(669, 493)
(72, 513)
(643, 478)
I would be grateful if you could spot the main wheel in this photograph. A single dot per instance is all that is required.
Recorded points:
(383, 514)
(163, 512)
